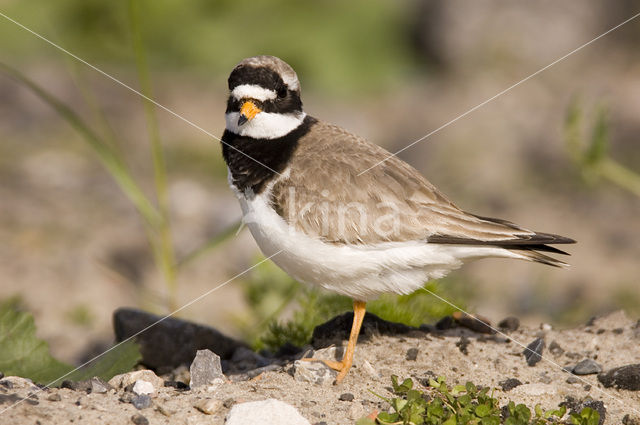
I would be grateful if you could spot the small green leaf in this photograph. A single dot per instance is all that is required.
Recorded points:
(388, 418)
(482, 410)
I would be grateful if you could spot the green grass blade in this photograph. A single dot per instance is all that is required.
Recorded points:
(114, 165)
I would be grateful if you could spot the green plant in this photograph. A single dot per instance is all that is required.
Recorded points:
(23, 354)
(465, 404)
(592, 155)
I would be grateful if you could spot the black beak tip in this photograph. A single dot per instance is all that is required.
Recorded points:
(242, 119)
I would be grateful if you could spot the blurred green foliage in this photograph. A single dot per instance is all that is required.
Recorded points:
(338, 46)
(282, 310)
(590, 151)
(23, 354)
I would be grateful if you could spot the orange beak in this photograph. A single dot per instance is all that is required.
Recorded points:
(248, 111)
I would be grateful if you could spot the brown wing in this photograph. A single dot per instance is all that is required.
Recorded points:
(323, 196)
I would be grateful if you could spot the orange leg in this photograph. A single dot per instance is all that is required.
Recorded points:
(359, 309)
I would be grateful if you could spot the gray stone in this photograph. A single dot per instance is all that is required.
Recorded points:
(346, 397)
(265, 412)
(54, 397)
(412, 354)
(205, 369)
(314, 372)
(533, 352)
(586, 367)
(141, 401)
(170, 342)
(573, 380)
(623, 377)
(99, 385)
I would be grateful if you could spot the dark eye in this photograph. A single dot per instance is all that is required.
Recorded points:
(282, 92)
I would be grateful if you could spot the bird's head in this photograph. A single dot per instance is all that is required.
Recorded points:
(264, 98)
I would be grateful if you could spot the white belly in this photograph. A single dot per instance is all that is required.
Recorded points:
(362, 272)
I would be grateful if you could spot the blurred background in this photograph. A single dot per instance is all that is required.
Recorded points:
(106, 202)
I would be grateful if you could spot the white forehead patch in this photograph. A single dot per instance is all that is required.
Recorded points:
(252, 91)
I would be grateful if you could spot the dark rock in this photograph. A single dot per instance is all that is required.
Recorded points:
(412, 354)
(509, 384)
(139, 420)
(339, 328)
(289, 351)
(77, 385)
(463, 344)
(346, 397)
(623, 377)
(509, 324)
(170, 342)
(244, 359)
(555, 349)
(475, 323)
(630, 420)
(178, 385)
(586, 367)
(141, 401)
(533, 352)
(205, 369)
(6, 384)
(447, 322)
(1, 375)
(573, 380)
(618, 331)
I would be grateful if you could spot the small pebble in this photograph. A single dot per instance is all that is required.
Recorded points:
(1, 375)
(533, 352)
(141, 401)
(346, 397)
(510, 323)
(412, 354)
(509, 384)
(142, 387)
(139, 420)
(209, 406)
(555, 349)
(587, 367)
(573, 380)
(463, 344)
(54, 397)
(545, 327)
(99, 385)
(618, 331)
(630, 420)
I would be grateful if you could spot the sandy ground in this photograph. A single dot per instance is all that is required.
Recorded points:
(612, 341)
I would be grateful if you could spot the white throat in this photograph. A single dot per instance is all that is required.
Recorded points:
(265, 125)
